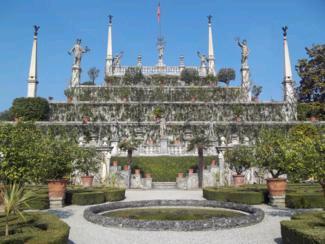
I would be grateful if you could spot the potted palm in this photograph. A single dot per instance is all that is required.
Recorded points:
(69, 93)
(87, 164)
(240, 158)
(158, 113)
(274, 152)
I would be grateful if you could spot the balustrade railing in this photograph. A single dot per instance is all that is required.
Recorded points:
(152, 70)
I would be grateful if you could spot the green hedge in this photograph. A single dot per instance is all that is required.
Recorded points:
(245, 196)
(114, 194)
(40, 202)
(298, 200)
(307, 228)
(38, 228)
(163, 168)
(30, 108)
(94, 195)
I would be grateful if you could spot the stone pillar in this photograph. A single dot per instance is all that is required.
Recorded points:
(245, 83)
(221, 167)
(164, 145)
(109, 54)
(211, 59)
(181, 64)
(32, 76)
(288, 83)
(75, 77)
(139, 61)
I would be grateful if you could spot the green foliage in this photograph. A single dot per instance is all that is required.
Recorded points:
(87, 83)
(70, 92)
(199, 141)
(189, 75)
(312, 74)
(237, 195)
(210, 80)
(133, 76)
(93, 74)
(239, 158)
(158, 112)
(86, 161)
(226, 75)
(38, 228)
(256, 91)
(306, 228)
(305, 200)
(30, 108)
(114, 194)
(127, 144)
(124, 92)
(307, 110)
(14, 201)
(163, 168)
(6, 116)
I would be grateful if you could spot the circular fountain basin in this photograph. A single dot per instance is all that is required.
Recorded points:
(177, 215)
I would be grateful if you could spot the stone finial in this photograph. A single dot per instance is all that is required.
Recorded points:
(110, 17)
(285, 30)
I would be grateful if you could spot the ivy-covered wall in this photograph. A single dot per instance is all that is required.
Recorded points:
(172, 111)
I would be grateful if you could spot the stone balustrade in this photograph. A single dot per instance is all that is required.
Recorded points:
(154, 70)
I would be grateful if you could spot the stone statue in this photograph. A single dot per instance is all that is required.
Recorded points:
(203, 59)
(285, 30)
(244, 51)
(160, 47)
(209, 19)
(163, 128)
(36, 28)
(77, 50)
(117, 60)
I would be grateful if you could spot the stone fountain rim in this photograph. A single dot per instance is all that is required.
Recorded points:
(255, 215)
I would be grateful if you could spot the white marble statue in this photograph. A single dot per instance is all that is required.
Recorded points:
(203, 59)
(77, 50)
(244, 51)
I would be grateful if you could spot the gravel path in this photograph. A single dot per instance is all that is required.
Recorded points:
(82, 231)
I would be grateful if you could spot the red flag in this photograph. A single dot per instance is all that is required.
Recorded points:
(158, 13)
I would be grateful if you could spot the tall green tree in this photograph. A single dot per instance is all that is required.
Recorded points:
(201, 143)
(312, 73)
(226, 75)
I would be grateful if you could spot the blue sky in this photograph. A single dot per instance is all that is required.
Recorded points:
(184, 25)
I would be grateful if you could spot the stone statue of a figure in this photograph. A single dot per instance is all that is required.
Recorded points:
(36, 28)
(244, 51)
(77, 50)
(117, 60)
(203, 59)
(163, 127)
(160, 47)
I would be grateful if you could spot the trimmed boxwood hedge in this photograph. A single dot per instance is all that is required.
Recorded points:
(307, 200)
(38, 228)
(307, 228)
(240, 195)
(163, 168)
(40, 202)
(94, 195)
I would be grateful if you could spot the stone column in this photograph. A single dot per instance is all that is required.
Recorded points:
(245, 83)
(211, 59)
(75, 77)
(109, 54)
(181, 64)
(32, 76)
(221, 167)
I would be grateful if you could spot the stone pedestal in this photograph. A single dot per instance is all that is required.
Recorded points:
(245, 83)
(136, 181)
(75, 77)
(56, 202)
(277, 201)
(181, 183)
(147, 183)
(192, 181)
(164, 145)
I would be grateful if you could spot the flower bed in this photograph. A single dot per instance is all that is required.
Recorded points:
(38, 228)
(307, 228)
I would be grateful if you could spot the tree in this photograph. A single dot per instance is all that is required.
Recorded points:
(189, 75)
(30, 108)
(133, 75)
(201, 143)
(226, 75)
(256, 91)
(240, 158)
(6, 116)
(312, 74)
(129, 145)
(86, 161)
(93, 74)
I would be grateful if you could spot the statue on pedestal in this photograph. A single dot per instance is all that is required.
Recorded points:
(163, 128)
(203, 59)
(160, 47)
(77, 50)
(117, 60)
(244, 52)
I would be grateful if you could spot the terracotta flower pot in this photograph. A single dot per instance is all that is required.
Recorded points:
(87, 181)
(276, 186)
(115, 163)
(313, 119)
(137, 171)
(126, 167)
(190, 171)
(57, 188)
(213, 162)
(85, 119)
(237, 119)
(180, 175)
(147, 175)
(193, 99)
(239, 180)
(69, 99)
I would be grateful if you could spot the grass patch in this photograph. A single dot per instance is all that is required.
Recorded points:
(172, 214)
(38, 228)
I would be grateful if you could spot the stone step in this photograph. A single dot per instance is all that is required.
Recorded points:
(164, 185)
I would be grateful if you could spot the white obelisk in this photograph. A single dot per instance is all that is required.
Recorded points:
(109, 54)
(211, 63)
(32, 76)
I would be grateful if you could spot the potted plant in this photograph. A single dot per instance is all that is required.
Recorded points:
(69, 93)
(124, 93)
(240, 158)
(87, 164)
(273, 152)
(256, 91)
(237, 110)
(158, 113)
(180, 175)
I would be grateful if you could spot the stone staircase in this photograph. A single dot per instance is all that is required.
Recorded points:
(164, 185)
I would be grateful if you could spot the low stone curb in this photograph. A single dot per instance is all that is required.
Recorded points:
(254, 216)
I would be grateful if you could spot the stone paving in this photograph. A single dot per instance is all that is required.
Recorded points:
(82, 231)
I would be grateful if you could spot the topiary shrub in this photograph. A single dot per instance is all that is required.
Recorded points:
(244, 196)
(189, 75)
(114, 194)
(307, 228)
(84, 197)
(38, 228)
(40, 202)
(30, 108)
(305, 200)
